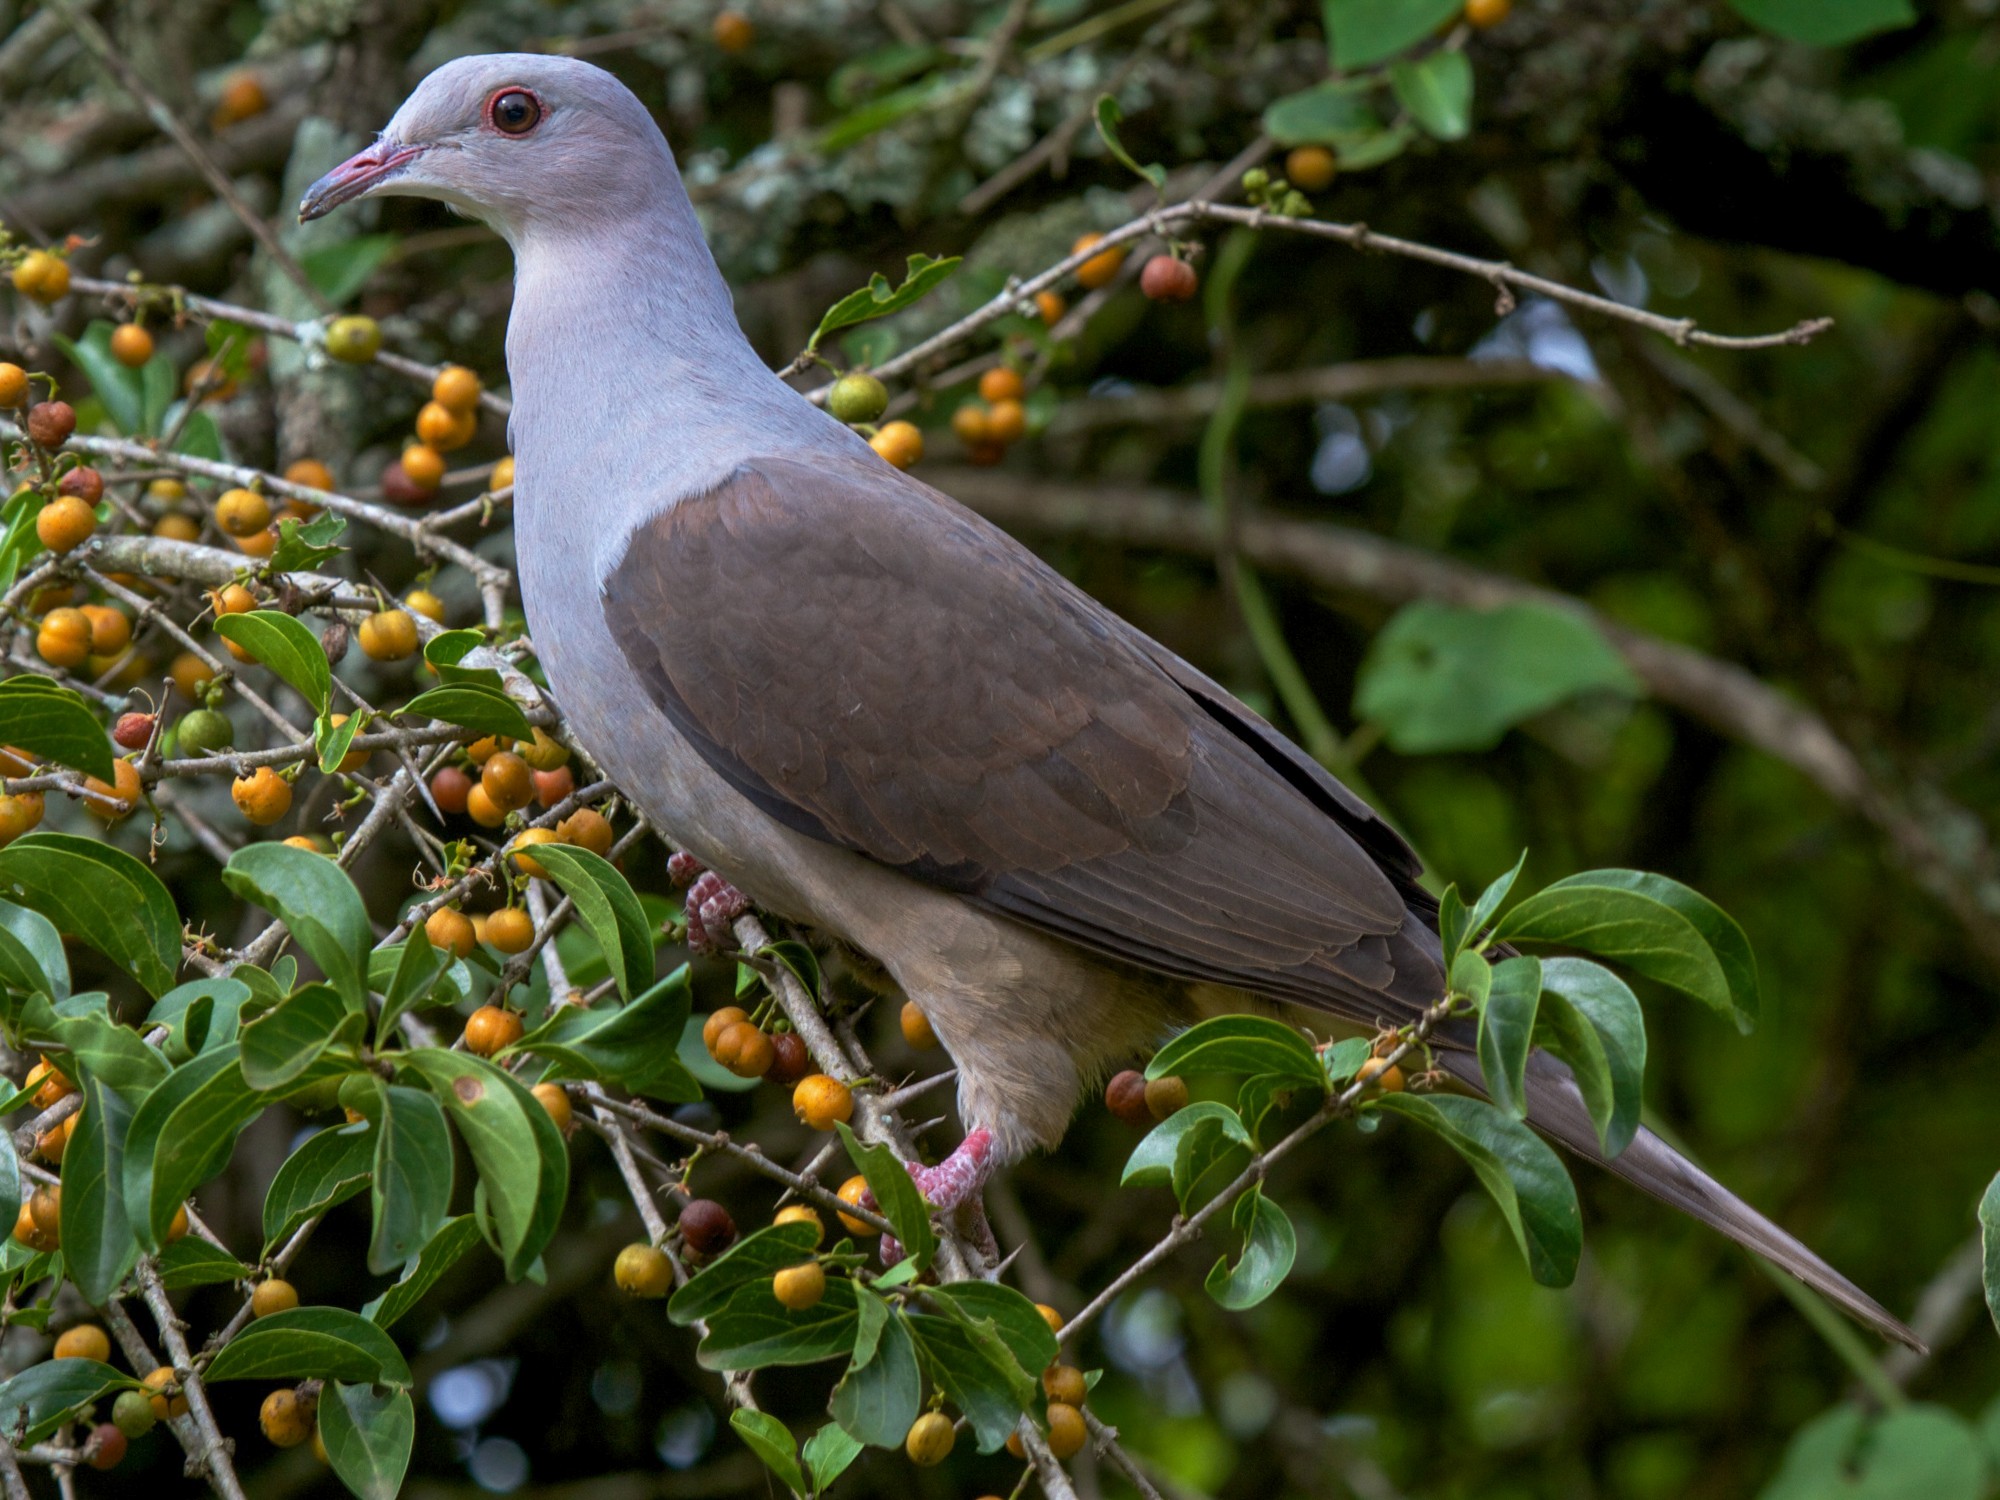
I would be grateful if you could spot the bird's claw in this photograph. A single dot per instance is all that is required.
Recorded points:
(712, 904)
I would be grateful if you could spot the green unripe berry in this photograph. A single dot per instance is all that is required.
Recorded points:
(203, 731)
(353, 339)
(1256, 180)
(858, 397)
(132, 1413)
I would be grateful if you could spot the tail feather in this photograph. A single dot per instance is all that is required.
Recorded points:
(1556, 1107)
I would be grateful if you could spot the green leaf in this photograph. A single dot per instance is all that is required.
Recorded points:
(878, 299)
(472, 705)
(1269, 1105)
(1507, 1030)
(340, 270)
(1211, 1155)
(42, 1397)
(771, 1441)
(1989, 1235)
(199, 1016)
(287, 647)
(1460, 926)
(200, 438)
(1240, 1044)
(182, 1135)
(901, 1204)
(52, 721)
(879, 1397)
(408, 974)
(1437, 91)
(1827, 23)
(101, 896)
(315, 898)
(329, 1168)
(369, 1433)
(1591, 1020)
(306, 544)
(827, 1453)
(751, 1261)
(122, 390)
(444, 651)
(1109, 117)
(1360, 32)
(159, 383)
(325, 1343)
(413, 1174)
(193, 1261)
(1520, 1170)
(979, 1376)
(1652, 925)
(1015, 1320)
(1917, 1450)
(635, 1046)
(98, 1244)
(755, 1330)
(1269, 1248)
(443, 1252)
(332, 741)
(117, 1054)
(522, 1160)
(283, 1042)
(1151, 1163)
(610, 912)
(31, 953)
(1440, 677)
(1334, 113)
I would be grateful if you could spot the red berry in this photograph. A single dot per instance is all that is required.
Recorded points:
(107, 1446)
(706, 1227)
(399, 489)
(449, 789)
(1166, 279)
(1126, 1098)
(51, 422)
(84, 483)
(133, 731)
(789, 1059)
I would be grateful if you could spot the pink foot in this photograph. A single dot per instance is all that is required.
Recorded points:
(952, 1187)
(712, 904)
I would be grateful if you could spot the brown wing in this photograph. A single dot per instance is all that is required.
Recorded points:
(878, 667)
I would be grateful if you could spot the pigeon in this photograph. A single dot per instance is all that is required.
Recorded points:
(879, 716)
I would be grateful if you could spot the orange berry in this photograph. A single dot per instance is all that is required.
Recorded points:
(917, 1027)
(232, 599)
(554, 1100)
(242, 513)
(510, 929)
(1065, 1383)
(131, 345)
(822, 1102)
(971, 424)
(167, 1399)
(1007, 422)
(309, 473)
(930, 1439)
(507, 782)
(263, 796)
(287, 1421)
(1380, 1075)
(45, 1208)
(423, 467)
(587, 828)
(424, 602)
(1485, 13)
(490, 1028)
(644, 1271)
(65, 523)
(852, 1192)
(800, 1287)
(1051, 306)
(733, 31)
(85, 1341)
(63, 638)
(899, 442)
(1166, 1096)
(744, 1050)
(1067, 1432)
(126, 787)
(388, 635)
(1165, 278)
(502, 477)
(439, 427)
(20, 812)
(273, 1296)
(110, 629)
(354, 760)
(1099, 269)
(1050, 1316)
(456, 389)
(798, 1213)
(719, 1022)
(1001, 384)
(483, 809)
(450, 929)
(42, 277)
(190, 674)
(525, 840)
(13, 385)
(242, 98)
(1311, 169)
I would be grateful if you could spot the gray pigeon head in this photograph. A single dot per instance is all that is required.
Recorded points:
(515, 139)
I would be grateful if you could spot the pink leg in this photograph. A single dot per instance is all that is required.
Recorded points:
(712, 904)
(952, 1187)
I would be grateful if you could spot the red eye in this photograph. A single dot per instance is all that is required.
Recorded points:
(514, 111)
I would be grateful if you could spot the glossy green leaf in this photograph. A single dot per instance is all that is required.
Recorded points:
(117, 1054)
(1654, 926)
(1269, 1248)
(1917, 1452)
(369, 1432)
(977, 1375)
(200, 1015)
(1459, 925)
(1211, 1155)
(326, 1343)
(755, 1330)
(1360, 32)
(332, 741)
(901, 1204)
(412, 1177)
(443, 1252)
(1108, 117)
(878, 1398)
(827, 1453)
(1437, 91)
(307, 544)
(1344, 1059)
(878, 299)
(1441, 677)
(1335, 113)
(472, 705)
(635, 1046)
(522, 1159)
(1151, 1163)
(1591, 1020)
(31, 953)
(285, 645)
(411, 973)
(1239, 1044)
(42, 1397)
(314, 897)
(46, 719)
(182, 1135)
(286, 1040)
(1827, 23)
(752, 1260)
(1989, 1236)
(1507, 1031)
(771, 1441)
(193, 1261)
(445, 652)
(1014, 1318)
(1520, 1170)
(102, 896)
(329, 1168)
(98, 1243)
(608, 909)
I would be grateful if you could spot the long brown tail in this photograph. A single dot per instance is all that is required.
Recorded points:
(1556, 1108)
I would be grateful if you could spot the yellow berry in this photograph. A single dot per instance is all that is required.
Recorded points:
(644, 1271)
(800, 1287)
